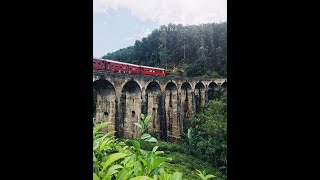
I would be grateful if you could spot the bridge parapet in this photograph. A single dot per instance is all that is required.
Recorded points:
(105, 74)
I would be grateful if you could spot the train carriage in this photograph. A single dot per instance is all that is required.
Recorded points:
(116, 66)
(133, 69)
(146, 70)
(98, 64)
(121, 67)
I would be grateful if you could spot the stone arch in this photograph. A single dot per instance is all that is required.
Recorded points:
(213, 91)
(186, 105)
(224, 85)
(153, 81)
(104, 101)
(153, 102)
(124, 83)
(171, 109)
(199, 94)
(130, 108)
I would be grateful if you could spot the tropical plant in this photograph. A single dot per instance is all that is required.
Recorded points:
(104, 148)
(143, 126)
(191, 138)
(203, 175)
(114, 160)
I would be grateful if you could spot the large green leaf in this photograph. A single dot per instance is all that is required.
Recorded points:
(155, 148)
(135, 144)
(152, 139)
(104, 142)
(107, 177)
(176, 176)
(102, 125)
(97, 142)
(157, 170)
(113, 169)
(201, 175)
(139, 125)
(145, 163)
(145, 136)
(190, 134)
(210, 176)
(159, 152)
(112, 158)
(142, 117)
(125, 161)
(165, 176)
(137, 168)
(130, 164)
(146, 120)
(158, 161)
(124, 174)
(94, 158)
(141, 178)
(95, 177)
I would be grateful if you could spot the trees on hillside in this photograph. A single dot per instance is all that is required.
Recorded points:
(199, 49)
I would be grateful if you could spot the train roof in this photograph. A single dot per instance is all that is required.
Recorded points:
(117, 61)
(153, 67)
(128, 63)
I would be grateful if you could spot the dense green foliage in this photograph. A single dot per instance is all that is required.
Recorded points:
(211, 128)
(201, 50)
(206, 138)
(183, 162)
(114, 160)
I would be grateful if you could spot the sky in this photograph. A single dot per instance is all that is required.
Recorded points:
(119, 23)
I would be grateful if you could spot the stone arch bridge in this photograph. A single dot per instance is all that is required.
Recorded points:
(171, 101)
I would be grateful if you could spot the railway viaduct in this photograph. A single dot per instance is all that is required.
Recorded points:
(171, 101)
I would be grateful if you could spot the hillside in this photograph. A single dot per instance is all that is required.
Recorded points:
(200, 50)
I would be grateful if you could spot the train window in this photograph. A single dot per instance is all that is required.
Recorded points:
(120, 67)
(116, 66)
(130, 68)
(94, 62)
(98, 62)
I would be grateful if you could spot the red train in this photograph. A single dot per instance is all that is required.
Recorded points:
(121, 67)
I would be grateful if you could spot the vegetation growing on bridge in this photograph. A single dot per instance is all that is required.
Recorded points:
(200, 50)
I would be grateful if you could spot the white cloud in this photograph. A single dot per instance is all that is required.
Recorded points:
(169, 11)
